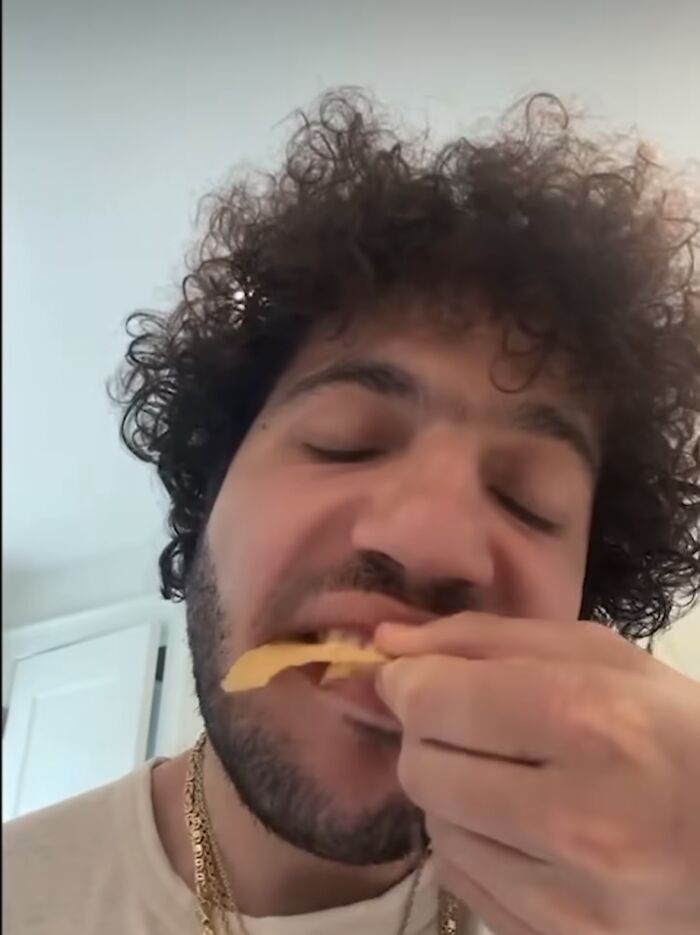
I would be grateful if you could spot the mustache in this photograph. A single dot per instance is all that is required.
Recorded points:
(374, 573)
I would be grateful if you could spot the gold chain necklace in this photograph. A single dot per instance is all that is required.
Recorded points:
(214, 896)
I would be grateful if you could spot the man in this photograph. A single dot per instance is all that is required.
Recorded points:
(446, 402)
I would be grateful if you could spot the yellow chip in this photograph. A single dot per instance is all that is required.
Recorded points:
(255, 668)
(339, 670)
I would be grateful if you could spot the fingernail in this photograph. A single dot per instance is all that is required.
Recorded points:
(390, 630)
(392, 637)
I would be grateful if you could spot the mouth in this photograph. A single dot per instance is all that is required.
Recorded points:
(330, 640)
(337, 663)
(349, 690)
(322, 674)
(339, 658)
(351, 635)
(348, 616)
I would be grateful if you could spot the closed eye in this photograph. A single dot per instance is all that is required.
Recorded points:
(341, 455)
(534, 520)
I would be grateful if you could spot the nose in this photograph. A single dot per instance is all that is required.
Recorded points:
(429, 514)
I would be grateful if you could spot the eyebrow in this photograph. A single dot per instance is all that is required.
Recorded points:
(550, 421)
(390, 380)
(378, 376)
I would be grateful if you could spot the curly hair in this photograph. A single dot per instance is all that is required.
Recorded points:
(579, 243)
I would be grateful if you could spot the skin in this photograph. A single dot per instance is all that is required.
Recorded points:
(559, 771)
(451, 487)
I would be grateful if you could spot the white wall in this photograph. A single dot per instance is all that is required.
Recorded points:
(680, 646)
(31, 595)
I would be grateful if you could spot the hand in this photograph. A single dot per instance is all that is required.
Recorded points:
(559, 770)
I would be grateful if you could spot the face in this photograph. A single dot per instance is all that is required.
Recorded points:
(387, 478)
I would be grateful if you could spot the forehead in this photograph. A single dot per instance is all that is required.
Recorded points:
(476, 356)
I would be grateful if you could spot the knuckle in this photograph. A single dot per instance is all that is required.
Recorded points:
(596, 844)
(582, 718)
(567, 704)
(604, 723)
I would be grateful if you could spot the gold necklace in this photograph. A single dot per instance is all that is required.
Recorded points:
(214, 896)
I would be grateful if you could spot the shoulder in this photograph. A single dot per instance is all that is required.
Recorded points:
(58, 858)
(81, 820)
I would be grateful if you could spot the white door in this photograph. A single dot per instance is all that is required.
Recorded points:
(78, 718)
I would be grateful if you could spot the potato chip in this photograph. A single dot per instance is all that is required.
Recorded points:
(339, 670)
(255, 668)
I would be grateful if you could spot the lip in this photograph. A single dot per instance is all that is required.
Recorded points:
(353, 611)
(356, 699)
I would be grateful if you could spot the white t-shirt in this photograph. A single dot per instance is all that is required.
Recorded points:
(94, 865)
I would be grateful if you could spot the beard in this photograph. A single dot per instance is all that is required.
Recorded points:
(261, 762)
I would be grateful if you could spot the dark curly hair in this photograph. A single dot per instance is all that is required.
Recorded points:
(578, 243)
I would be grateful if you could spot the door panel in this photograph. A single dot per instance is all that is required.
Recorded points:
(78, 718)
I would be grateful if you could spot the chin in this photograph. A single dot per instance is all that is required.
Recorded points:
(314, 776)
(354, 760)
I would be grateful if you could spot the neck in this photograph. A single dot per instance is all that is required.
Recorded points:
(268, 876)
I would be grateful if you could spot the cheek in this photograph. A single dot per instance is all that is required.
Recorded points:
(545, 581)
(267, 529)
(250, 535)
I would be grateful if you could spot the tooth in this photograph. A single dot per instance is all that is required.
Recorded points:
(339, 635)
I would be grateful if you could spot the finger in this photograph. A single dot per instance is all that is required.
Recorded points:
(487, 636)
(479, 902)
(519, 709)
(469, 850)
(543, 895)
(505, 802)
(501, 870)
